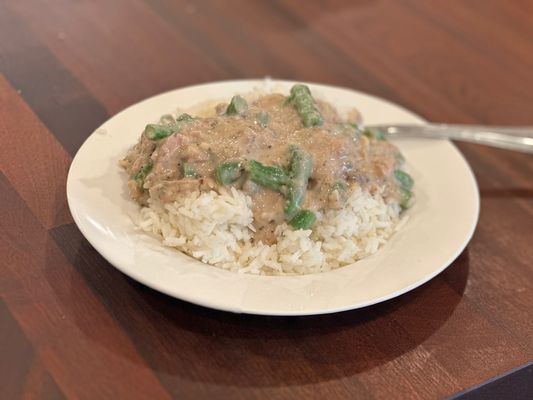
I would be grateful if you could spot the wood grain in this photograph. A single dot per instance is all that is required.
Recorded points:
(50, 303)
(153, 55)
(40, 183)
(72, 326)
(23, 375)
(60, 101)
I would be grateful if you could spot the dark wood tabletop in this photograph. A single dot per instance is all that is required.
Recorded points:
(72, 326)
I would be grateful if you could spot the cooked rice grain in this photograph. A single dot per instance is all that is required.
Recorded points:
(217, 228)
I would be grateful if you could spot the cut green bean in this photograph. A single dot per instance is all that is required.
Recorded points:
(142, 173)
(236, 106)
(304, 219)
(300, 169)
(405, 198)
(262, 118)
(347, 125)
(161, 131)
(269, 176)
(158, 132)
(189, 171)
(404, 179)
(305, 106)
(228, 172)
(374, 133)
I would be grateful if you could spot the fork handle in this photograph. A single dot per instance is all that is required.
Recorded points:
(511, 138)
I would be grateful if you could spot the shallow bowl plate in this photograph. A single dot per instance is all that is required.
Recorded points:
(439, 226)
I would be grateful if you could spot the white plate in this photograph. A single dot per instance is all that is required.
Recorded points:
(440, 224)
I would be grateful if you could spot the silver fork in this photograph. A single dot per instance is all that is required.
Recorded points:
(518, 138)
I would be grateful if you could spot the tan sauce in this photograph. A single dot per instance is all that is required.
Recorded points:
(206, 142)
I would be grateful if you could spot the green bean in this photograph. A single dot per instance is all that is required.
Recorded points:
(236, 106)
(161, 131)
(374, 133)
(406, 184)
(300, 167)
(305, 106)
(347, 125)
(185, 117)
(228, 172)
(262, 118)
(404, 179)
(189, 171)
(269, 176)
(158, 132)
(141, 174)
(405, 198)
(304, 219)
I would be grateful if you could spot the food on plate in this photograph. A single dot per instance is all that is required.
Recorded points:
(269, 184)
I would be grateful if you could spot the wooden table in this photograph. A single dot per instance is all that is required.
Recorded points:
(73, 326)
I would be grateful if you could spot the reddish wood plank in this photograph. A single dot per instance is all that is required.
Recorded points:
(274, 51)
(485, 26)
(142, 55)
(497, 169)
(258, 33)
(61, 318)
(60, 101)
(22, 375)
(39, 385)
(418, 53)
(498, 291)
(502, 282)
(39, 179)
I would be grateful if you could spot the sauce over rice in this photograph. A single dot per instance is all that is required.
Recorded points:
(293, 155)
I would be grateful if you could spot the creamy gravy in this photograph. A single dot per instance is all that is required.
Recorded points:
(342, 158)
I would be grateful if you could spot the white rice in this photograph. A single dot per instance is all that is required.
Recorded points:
(217, 228)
